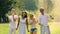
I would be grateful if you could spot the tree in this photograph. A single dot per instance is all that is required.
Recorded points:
(49, 6)
(5, 6)
(27, 4)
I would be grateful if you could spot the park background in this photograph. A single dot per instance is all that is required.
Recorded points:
(52, 7)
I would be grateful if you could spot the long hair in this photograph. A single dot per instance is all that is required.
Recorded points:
(25, 14)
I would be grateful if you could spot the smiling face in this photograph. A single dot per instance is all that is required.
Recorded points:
(24, 14)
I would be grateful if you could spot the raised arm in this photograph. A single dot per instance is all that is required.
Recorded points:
(35, 21)
(9, 18)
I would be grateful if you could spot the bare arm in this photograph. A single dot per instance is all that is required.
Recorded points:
(27, 24)
(39, 20)
(18, 23)
(9, 18)
(35, 21)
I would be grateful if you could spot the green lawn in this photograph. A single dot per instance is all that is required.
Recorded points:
(54, 28)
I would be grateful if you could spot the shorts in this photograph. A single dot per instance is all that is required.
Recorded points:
(33, 29)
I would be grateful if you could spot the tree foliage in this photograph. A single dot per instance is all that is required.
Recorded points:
(5, 6)
(49, 6)
(27, 4)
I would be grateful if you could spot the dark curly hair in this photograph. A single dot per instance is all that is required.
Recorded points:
(25, 14)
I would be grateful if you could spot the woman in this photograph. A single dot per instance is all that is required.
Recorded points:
(32, 22)
(12, 18)
(23, 23)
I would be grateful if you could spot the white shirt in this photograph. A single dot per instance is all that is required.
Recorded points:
(43, 19)
(12, 23)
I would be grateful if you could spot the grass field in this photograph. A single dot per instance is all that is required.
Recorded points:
(54, 28)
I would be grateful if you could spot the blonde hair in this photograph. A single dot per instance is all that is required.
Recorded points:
(13, 10)
(33, 15)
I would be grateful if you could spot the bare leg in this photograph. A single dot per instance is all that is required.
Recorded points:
(35, 32)
(31, 32)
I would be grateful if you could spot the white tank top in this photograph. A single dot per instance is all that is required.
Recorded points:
(23, 21)
(33, 25)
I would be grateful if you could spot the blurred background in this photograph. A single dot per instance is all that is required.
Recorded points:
(31, 6)
(52, 7)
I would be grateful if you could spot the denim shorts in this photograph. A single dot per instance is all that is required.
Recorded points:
(33, 29)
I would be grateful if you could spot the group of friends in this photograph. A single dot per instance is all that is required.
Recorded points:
(23, 22)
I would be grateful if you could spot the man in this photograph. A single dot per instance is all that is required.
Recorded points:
(43, 21)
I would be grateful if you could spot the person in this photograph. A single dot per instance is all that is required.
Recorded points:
(12, 19)
(32, 22)
(43, 21)
(23, 23)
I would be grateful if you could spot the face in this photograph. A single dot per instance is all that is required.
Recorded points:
(42, 11)
(13, 11)
(24, 14)
(31, 16)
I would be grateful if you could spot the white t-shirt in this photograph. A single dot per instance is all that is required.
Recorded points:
(12, 23)
(43, 19)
